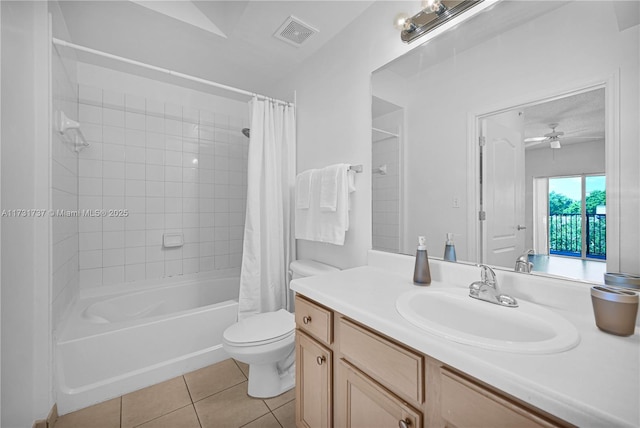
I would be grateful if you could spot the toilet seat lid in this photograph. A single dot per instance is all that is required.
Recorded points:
(265, 327)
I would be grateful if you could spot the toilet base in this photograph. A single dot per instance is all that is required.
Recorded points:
(265, 381)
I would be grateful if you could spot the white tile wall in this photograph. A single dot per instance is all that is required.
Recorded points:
(385, 197)
(386, 188)
(173, 169)
(64, 191)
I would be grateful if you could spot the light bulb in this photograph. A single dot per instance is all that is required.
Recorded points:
(429, 6)
(401, 21)
(426, 5)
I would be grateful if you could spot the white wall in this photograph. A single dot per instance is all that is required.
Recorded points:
(26, 305)
(0, 222)
(333, 91)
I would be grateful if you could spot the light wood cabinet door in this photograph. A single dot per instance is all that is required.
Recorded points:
(313, 383)
(467, 404)
(363, 403)
(393, 366)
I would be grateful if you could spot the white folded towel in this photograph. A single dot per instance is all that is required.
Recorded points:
(303, 189)
(331, 175)
(322, 225)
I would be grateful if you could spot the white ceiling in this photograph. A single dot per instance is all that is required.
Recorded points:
(249, 57)
(581, 117)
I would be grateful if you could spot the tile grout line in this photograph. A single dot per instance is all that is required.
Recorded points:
(197, 415)
(216, 393)
(193, 405)
(277, 420)
(165, 414)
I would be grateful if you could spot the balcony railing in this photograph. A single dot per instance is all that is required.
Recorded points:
(565, 235)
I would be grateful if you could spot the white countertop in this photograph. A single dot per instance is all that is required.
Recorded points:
(595, 384)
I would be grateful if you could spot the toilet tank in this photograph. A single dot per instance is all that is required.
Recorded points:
(303, 268)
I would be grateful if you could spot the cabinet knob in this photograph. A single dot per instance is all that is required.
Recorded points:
(321, 359)
(404, 423)
(306, 319)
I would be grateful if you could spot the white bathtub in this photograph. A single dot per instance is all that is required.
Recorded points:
(120, 342)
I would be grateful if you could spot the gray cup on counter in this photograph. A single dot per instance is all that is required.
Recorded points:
(615, 309)
(624, 280)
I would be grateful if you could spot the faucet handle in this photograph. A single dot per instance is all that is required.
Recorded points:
(523, 264)
(525, 256)
(487, 275)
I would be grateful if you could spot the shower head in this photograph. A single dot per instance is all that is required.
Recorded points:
(246, 132)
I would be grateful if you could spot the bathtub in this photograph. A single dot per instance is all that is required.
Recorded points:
(141, 334)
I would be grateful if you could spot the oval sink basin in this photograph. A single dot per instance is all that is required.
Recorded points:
(452, 314)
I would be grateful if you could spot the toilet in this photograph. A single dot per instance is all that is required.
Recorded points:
(267, 341)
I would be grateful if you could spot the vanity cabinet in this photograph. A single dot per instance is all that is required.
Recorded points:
(314, 365)
(378, 383)
(314, 374)
(348, 375)
(465, 403)
(362, 402)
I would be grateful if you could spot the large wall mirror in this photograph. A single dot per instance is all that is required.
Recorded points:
(516, 130)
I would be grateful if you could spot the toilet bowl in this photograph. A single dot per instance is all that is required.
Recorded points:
(266, 342)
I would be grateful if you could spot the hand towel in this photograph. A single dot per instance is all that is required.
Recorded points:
(303, 189)
(329, 185)
(321, 225)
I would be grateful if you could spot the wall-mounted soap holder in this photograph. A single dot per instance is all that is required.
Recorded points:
(382, 170)
(172, 240)
(65, 125)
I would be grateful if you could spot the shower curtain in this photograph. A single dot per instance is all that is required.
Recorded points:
(268, 244)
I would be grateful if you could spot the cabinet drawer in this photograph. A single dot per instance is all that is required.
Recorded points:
(397, 368)
(315, 320)
(467, 404)
(362, 403)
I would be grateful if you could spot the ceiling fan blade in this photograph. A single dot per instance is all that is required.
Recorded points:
(583, 138)
(534, 139)
(532, 144)
(554, 134)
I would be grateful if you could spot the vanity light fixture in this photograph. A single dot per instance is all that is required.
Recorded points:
(433, 14)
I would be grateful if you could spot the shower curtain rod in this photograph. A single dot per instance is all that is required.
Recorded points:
(163, 70)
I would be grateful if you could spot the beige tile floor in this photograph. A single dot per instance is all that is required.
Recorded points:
(215, 396)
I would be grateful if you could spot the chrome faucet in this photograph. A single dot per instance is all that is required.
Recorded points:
(523, 264)
(487, 289)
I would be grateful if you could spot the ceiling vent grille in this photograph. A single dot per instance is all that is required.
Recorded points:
(294, 31)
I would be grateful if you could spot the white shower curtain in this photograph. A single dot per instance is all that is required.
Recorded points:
(268, 241)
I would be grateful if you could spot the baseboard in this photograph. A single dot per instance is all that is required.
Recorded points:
(50, 421)
(52, 417)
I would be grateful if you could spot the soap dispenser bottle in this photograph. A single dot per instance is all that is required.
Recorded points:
(421, 273)
(449, 249)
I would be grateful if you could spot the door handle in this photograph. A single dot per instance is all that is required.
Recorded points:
(521, 227)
